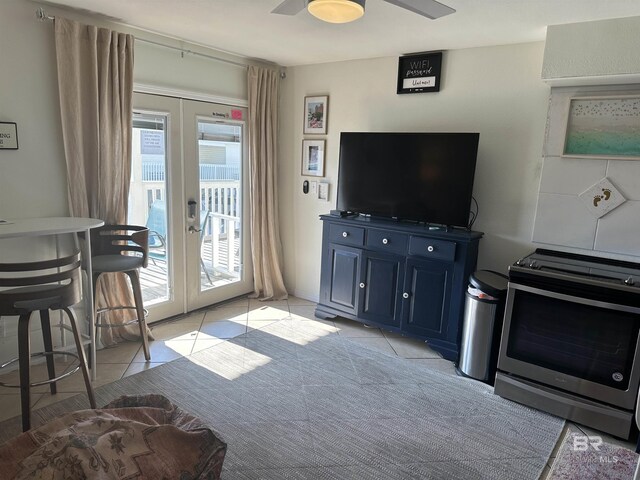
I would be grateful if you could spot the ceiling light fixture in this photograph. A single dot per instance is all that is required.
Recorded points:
(336, 11)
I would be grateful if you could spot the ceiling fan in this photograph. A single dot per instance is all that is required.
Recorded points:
(343, 11)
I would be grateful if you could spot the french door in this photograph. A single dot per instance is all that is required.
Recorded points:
(188, 185)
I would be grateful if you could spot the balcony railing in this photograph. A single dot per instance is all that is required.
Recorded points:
(154, 172)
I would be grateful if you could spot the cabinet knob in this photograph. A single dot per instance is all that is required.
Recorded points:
(430, 248)
(362, 285)
(405, 295)
(385, 241)
(345, 234)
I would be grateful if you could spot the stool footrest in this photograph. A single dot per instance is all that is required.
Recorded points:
(43, 382)
(121, 307)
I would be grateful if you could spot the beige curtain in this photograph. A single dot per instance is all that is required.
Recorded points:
(266, 249)
(95, 81)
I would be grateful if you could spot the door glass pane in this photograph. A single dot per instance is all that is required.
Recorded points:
(219, 160)
(147, 201)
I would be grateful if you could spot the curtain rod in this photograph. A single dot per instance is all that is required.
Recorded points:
(42, 16)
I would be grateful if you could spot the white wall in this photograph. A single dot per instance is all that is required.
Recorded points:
(583, 53)
(563, 217)
(589, 59)
(32, 178)
(496, 91)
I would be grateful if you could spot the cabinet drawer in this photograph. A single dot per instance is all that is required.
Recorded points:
(432, 248)
(387, 241)
(346, 234)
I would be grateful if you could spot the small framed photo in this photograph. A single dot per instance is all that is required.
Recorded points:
(8, 136)
(315, 115)
(313, 158)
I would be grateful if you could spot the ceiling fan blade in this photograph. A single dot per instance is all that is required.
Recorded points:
(427, 8)
(290, 7)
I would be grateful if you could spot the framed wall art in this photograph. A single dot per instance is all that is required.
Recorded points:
(603, 127)
(313, 158)
(315, 115)
(419, 73)
(8, 136)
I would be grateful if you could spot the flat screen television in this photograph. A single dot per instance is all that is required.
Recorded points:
(423, 177)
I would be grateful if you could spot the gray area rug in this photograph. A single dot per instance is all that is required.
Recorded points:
(296, 401)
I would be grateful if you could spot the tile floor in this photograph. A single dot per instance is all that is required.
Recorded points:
(188, 334)
(192, 333)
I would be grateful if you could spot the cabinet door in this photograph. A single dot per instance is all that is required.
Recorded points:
(344, 278)
(426, 297)
(380, 286)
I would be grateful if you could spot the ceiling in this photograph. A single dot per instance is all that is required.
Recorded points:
(246, 27)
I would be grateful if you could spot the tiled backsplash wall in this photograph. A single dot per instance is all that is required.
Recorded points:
(562, 218)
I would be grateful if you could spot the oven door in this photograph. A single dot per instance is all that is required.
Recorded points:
(576, 344)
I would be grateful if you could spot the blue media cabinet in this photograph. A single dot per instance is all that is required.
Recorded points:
(401, 277)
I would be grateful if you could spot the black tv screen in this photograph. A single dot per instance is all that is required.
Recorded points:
(424, 177)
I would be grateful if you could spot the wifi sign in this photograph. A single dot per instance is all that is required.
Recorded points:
(419, 73)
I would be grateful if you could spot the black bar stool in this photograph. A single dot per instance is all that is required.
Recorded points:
(42, 286)
(124, 249)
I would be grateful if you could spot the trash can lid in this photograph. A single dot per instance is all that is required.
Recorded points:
(490, 282)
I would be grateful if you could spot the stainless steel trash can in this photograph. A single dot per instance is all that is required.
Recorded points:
(484, 309)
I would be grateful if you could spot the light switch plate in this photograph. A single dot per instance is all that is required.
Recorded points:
(323, 191)
(601, 198)
(313, 188)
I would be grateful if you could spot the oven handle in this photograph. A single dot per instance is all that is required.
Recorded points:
(575, 279)
(571, 298)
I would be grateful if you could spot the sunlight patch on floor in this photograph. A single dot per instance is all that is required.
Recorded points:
(229, 360)
(290, 330)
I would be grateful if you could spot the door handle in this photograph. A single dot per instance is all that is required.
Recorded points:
(193, 229)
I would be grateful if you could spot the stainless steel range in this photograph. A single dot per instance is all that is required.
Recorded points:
(570, 338)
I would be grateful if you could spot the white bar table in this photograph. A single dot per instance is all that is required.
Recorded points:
(36, 227)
